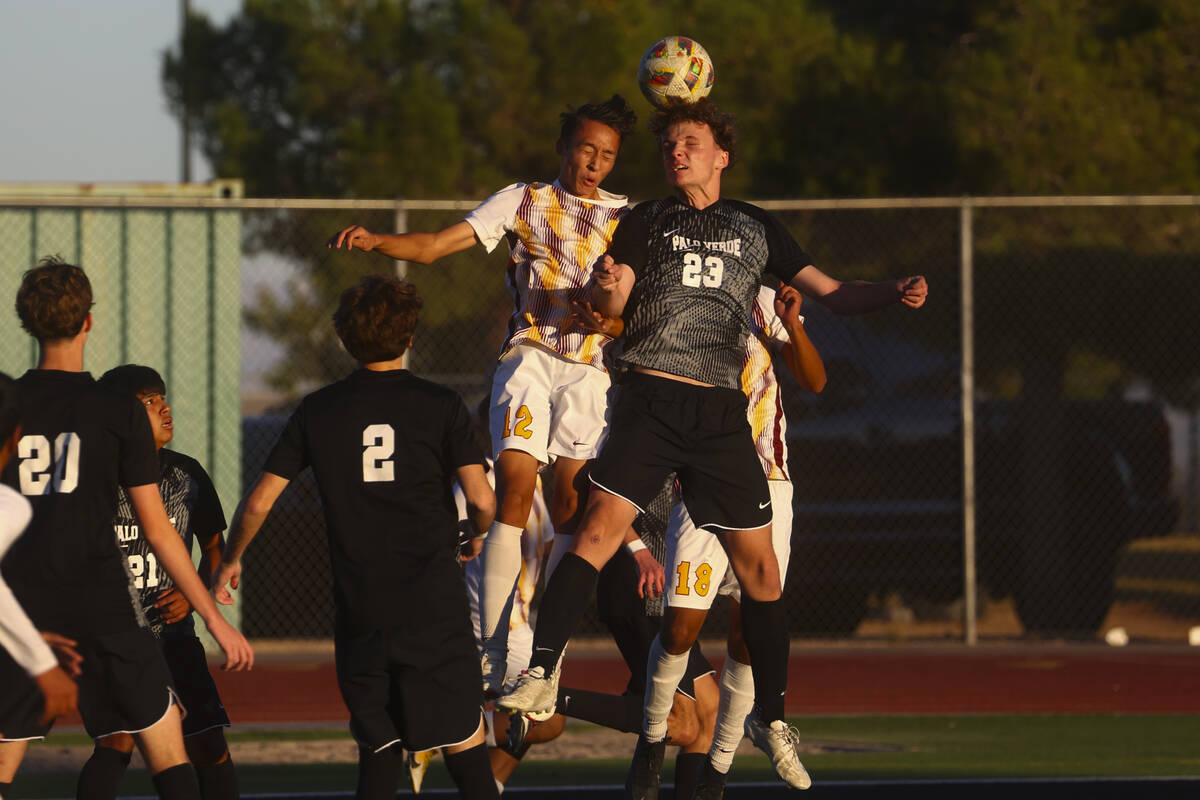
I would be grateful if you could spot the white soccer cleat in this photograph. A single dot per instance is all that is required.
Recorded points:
(493, 664)
(417, 764)
(778, 740)
(534, 694)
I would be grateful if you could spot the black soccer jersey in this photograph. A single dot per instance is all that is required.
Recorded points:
(697, 272)
(194, 508)
(79, 442)
(384, 447)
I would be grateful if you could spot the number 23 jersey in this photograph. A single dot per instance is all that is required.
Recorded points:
(696, 273)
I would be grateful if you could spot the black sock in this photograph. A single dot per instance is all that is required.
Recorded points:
(378, 773)
(764, 626)
(688, 767)
(472, 773)
(218, 781)
(177, 783)
(4, 787)
(571, 589)
(621, 712)
(101, 774)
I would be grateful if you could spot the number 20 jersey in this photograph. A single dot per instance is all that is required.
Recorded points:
(697, 272)
(79, 443)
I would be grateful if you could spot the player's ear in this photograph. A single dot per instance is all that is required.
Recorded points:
(87, 324)
(723, 159)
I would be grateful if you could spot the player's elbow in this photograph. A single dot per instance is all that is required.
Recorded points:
(816, 383)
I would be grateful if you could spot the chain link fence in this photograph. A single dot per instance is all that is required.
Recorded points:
(1059, 502)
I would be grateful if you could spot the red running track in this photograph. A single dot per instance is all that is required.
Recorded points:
(302, 688)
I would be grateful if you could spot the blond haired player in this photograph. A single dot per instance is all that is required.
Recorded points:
(549, 393)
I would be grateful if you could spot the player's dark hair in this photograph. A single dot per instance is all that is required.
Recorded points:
(134, 379)
(613, 112)
(54, 300)
(704, 111)
(10, 406)
(375, 319)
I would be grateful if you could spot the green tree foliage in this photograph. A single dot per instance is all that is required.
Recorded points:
(456, 98)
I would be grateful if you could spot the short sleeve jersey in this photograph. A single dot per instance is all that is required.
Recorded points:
(697, 272)
(554, 239)
(759, 384)
(384, 448)
(194, 508)
(79, 443)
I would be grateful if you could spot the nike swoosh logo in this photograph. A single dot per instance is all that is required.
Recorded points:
(670, 233)
(544, 649)
(764, 505)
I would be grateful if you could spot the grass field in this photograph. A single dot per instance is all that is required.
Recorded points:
(844, 748)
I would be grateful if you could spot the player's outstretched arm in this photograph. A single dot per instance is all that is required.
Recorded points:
(800, 354)
(481, 506)
(177, 561)
(611, 285)
(860, 297)
(247, 521)
(424, 248)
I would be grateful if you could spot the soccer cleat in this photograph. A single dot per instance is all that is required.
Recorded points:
(534, 694)
(417, 764)
(645, 770)
(778, 740)
(493, 666)
(518, 729)
(711, 785)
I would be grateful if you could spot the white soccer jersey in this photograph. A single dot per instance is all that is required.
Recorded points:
(765, 407)
(554, 239)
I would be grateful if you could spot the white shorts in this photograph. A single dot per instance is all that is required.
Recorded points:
(699, 567)
(547, 405)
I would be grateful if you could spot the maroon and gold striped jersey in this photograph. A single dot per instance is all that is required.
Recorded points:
(554, 239)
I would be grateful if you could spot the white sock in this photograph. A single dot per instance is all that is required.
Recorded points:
(560, 545)
(737, 700)
(501, 567)
(663, 672)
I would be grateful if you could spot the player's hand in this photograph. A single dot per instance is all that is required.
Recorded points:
(352, 237)
(228, 574)
(172, 606)
(592, 320)
(470, 541)
(787, 303)
(651, 576)
(607, 273)
(64, 650)
(60, 693)
(913, 291)
(239, 656)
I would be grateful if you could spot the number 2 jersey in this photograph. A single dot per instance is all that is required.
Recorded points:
(384, 448)
(697, 272)
(193, 508)
(79, 443)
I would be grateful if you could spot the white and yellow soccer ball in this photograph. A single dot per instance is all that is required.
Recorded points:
(675, 69)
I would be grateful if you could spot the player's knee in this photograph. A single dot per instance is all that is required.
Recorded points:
(121, 742)
(207, 749)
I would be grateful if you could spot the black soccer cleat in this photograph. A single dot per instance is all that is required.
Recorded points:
(711, 785)
(645, 770)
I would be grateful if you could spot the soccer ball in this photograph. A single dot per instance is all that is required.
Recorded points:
(675, 69)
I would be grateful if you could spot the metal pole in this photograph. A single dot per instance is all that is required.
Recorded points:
(185, 142)
(967, 277)
(400, 225)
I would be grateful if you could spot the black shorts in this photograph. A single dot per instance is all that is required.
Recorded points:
(194, 685)
(420, 689)
(125, 686)
(700, 433)
(21, 703)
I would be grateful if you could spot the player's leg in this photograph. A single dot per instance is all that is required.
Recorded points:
(519, 424)
(162, 749)
(579, 405)
(206, 720)
(470, 766)
(689, 764)
(12, 752)
(508, 754)
(101, 774)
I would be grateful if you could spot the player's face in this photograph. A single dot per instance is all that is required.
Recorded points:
(588, 158)
(160, 417)
(692, 158)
